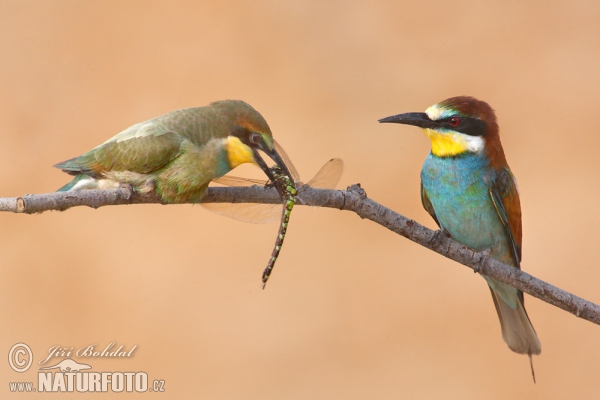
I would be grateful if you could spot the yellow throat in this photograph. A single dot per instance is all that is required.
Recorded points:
(452, 143)
(237, 152)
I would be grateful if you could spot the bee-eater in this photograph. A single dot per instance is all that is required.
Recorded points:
(179, 153)
(469, 190)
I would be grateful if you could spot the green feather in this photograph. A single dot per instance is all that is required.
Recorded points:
(178, 153)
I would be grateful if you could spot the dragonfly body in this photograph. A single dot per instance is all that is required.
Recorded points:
(287, 190)
(326, 178)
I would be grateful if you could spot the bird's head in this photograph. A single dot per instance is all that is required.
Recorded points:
(249, 134)
(457, 125)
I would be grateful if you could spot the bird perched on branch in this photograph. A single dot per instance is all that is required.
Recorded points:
(469, 190)
(179, 153)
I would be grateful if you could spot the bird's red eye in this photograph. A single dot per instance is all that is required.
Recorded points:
(454, 121)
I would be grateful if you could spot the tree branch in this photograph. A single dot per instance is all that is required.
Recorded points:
(354, 199)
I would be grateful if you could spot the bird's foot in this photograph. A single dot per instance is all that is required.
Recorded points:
(436, 239)
(485, 254)
(125, 185)
(148, 186)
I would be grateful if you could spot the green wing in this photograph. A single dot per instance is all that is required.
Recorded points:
(427, 205)
(505, 196)
(142, 148)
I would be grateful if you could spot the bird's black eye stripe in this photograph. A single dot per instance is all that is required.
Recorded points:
(244, 134)
(468, 126)
(240, 132)
(247, 137)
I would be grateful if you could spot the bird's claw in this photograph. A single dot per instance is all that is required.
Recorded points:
(485, 254)
(129, 187)
(436, 239)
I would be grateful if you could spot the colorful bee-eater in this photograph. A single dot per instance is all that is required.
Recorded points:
(179, 153)
(469, 190)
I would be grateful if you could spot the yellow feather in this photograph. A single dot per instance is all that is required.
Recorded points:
(451, 143)
(237, 152)
(446, 144)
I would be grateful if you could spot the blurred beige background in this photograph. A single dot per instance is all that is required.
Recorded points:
(352, 310)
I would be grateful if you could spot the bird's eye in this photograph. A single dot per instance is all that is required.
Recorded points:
(255, 138)
(454, 121)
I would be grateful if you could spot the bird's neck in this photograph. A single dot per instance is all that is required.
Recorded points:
(465, 165)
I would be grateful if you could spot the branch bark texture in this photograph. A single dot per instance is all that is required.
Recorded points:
(353, 199)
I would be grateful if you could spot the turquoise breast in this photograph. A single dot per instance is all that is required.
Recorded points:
(458, 190)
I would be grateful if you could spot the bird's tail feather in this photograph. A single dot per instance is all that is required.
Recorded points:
(79, 179)
(517, 330)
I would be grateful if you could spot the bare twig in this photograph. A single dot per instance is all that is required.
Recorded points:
(354, 199)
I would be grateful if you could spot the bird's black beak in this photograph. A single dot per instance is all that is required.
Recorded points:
(417, 119)
(274, 155)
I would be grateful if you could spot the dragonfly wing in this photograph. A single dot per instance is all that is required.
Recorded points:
(295, 177)
(228, 180)
(255, 213)
(329, 175)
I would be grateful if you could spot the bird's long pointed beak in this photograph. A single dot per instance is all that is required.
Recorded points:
(274, 155)
(417, 119)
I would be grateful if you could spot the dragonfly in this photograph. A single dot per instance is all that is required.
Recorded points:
(287, 190)
(326, 178)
